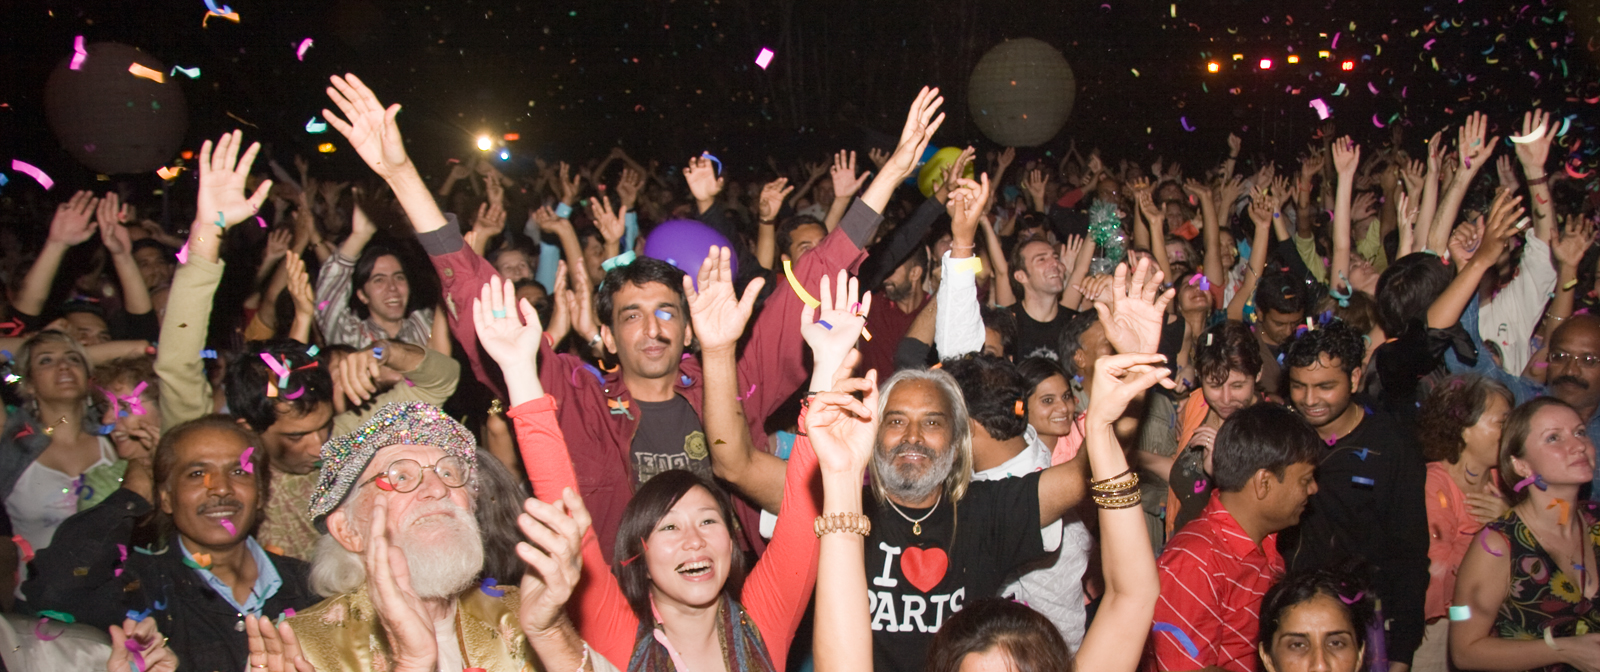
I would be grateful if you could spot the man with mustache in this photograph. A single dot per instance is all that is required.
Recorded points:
(193, 566)
(1369, 500)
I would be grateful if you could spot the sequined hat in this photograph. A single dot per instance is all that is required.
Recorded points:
(411, 423)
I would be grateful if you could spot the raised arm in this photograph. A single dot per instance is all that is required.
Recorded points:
(1346, 155)
(845, 185)
(372, 131)
(110, 216)
(1475, 248)
(1533, 150)
(720, 315)
(771, 203)
(958, 329)
(1429, 203)
(1474, 151)
(921, 123)
(72, 225)
(1116, 641)
(1262, 212)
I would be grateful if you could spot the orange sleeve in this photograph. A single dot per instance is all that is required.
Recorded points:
(597, 607)
(779, 588)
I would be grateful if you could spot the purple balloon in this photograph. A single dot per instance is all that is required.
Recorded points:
(684, 243)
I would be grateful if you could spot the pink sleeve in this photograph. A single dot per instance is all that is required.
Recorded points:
(779, 588)
(602, 615)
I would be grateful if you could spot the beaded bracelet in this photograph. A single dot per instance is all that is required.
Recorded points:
(1131, 480)
(1123, 502)
(842, 522)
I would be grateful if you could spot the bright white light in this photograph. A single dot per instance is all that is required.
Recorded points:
(505, 155)
(485, 143)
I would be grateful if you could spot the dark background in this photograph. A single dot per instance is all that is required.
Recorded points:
(669, 78)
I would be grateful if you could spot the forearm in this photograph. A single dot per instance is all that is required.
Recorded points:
(1071, 297)
(958, 328)
(559, 647)
(733, 456)
(185, 391)
(1141, 235)
(1000, 292)
(1127, 564)
(767, 244)
(415, 199)
(836, 211)
(135, 296)
(1561, 306)
(1446, 310)
(1213, 250)
(842, 607)
(36, 284)
(1445, 217)
(1425, 214)
(1341, 234)
(1489, 652)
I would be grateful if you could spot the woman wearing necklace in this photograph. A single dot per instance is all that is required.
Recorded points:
(1459, 429)
(1525, 597)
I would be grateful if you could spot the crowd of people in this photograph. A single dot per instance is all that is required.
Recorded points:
(1325, 416)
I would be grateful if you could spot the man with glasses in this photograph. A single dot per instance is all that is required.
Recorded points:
(402, 552)
(1573, 374)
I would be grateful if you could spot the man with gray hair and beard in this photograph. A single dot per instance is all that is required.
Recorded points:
(400, 558)
(939, 539)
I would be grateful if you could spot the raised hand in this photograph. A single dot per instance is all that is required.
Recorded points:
(1262, 207)
(845, 180)
(1506, 174)
(491, 220)
(1346, 155)
(1312, 164)
(568, 184)
(832, 328)
(1471, 143)
(608, 221)
(1412, 173)
(1234, 143)
(151, 645)
(1505, 221)
(299, 285)
(966, 208)
(842, 428)
(1574, 242)
(1364, 206)
(1035, 184)
(919, 128)
(1134, 317)
(554, 555)
(719, 314)
(1407, 214)
(772, 197)
(628, 187)
(220, 200)
(952, 174)
(548, 222)
(112, 233)
(1007, 156)
(277, 245)
(701, 175)
(399, 609)
(1534, 153)
(371, 128)
(512, 342)
(1121, 377)
(878, 156)
(274, 649)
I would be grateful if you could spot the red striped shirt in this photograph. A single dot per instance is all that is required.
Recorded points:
(1213, 577)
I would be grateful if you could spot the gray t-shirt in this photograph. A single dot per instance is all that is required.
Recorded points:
(670, 436)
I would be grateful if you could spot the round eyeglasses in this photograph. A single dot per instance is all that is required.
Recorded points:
(404, 475)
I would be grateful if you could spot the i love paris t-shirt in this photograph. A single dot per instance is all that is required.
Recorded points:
(965, 552)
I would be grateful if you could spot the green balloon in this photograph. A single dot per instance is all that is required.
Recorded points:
(929, 177)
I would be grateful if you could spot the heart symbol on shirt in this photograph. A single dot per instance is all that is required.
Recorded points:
(924, 568)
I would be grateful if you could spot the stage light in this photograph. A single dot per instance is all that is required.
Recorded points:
(1213, 66)
(1266, 64)
(326, 148)
(1294, 58)
(1347, 65)
(512, 137)
(484, 143)
(505, 155)
(1238, 57)
(1324, 54)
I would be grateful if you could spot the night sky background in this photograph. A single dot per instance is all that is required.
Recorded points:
(669, 78)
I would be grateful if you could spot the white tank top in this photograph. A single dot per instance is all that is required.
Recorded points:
(44, 497)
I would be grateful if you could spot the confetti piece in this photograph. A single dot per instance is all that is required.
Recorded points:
(1322, 109)
(38, 631)
(152, 75)
(44, 180)
(227, 525)
(1530, 137)
(312, 351)
(1549, 639)
(295, 394)
(300, 52)
(78, 53)
(244, 460)
(1184, 122)
(279, 369)
(1362, 453)
(1530, 480)
(197, 561)
(1199, 486)
(183, 254)
(23, 547)
(1568, 285)
(315, 126)
(764, 58)
(663, 315)
(231, 16)
(322, 305)
(825, 325)
(62, 616)
(488, 587)
(800, 291)
(1375, 121)
(866, 334)
(1444, 502)
(272, 390)
(383, 483)
(1201, 281)
(168, 174)
(1460, 612)
(137, 616)
(326, 148)
(1353, 600)
(191, 73)
(1566, 509)
(1362, 480)
(133, 646)
(1178, 634)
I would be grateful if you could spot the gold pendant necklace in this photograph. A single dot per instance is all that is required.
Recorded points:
(916, 524)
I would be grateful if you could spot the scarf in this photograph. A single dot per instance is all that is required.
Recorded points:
(746, 652)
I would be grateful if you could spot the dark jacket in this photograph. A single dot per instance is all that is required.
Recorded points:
(78, 575)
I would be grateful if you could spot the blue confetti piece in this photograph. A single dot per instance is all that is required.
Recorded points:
(825, 325)
(137, 616)
(709, 156)
(1178, 634)
(663, 315)
(1362, 480)
(488, 588)
(7, 354)
(208, 354)
(1361, 453)
(4, 180)
(686, 380)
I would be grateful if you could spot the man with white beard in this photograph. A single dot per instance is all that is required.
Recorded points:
(401, 555)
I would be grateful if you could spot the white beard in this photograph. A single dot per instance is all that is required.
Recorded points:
(443, 554)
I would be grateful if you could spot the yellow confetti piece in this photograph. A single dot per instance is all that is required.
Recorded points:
(805, 296)
(168, 173)
(231, 16)
(1568, 285)
(866, 334)
(1443, 502)
(147, 73)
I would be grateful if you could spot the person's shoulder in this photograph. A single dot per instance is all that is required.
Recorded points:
(1196, 543)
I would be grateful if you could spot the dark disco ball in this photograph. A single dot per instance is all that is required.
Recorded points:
(112, 120)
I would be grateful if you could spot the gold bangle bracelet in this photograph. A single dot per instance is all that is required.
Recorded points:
(1125, 472)
(1124, 502)
(842, 522)
(1130, 481)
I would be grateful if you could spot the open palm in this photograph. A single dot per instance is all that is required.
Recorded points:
(223, 176)
(371, 128)
(833, 327)
(510, 341)
(719, 314)
(1133, 320)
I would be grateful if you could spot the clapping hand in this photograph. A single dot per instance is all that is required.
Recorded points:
(553, 552)
(274, 649)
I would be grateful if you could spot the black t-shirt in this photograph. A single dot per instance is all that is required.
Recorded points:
(670, 436)
(915, 582)
(1033, 334)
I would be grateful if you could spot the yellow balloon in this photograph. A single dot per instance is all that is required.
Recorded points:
(941, 160)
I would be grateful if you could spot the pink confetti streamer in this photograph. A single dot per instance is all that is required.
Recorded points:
(183, 254)
(133, 649)
(764, 58)
(78, 53)
(228, 525)
(274, 365)
(300, 52)
(1335, 44)
(38, 631)
(261, 221)
(244, 460)
(32, 171)
(1321, 107)
(295, 394)
(1375, 121)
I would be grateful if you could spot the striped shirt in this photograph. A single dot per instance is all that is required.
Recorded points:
(1213, 577)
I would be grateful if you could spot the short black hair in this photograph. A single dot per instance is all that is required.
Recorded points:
(1067, 344)
(786, 229)
(247, 379)
(81, 306)
(1407, 288)
(1002, 322)
(641, 272)
(1225, 347)
(167, 254)
(1346, 586)
(992, 389)
(1261, 436)
(1281, 292)
(1036, 370)
(1017, 264)
(1336, 339)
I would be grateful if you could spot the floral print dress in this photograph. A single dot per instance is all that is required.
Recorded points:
(1542, 595)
